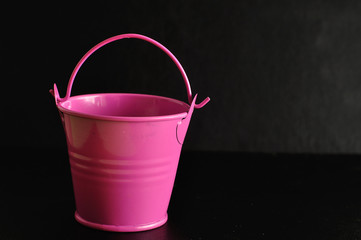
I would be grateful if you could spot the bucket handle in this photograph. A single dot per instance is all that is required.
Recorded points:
(118, 37)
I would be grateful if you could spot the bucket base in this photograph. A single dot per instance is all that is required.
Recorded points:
(115, 228)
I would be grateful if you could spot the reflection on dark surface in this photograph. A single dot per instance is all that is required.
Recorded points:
(167, 231)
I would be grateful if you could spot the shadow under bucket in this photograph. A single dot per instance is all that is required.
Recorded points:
(124, 151)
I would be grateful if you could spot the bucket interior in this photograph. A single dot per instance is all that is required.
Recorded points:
(124, 105)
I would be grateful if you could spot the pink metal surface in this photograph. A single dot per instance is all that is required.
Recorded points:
(124, 151)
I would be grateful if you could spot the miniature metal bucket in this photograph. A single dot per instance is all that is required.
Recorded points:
(124, 151)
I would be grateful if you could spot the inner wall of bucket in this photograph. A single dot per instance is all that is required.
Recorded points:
(124, 105)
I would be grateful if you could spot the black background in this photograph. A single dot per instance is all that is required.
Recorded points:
(283, 76)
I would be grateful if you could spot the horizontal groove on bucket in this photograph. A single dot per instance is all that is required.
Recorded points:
(123, 170)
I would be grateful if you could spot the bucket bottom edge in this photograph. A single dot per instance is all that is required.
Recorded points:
(121, 228)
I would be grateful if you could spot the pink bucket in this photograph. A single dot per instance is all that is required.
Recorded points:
(124, 151)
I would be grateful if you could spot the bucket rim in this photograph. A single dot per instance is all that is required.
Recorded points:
(180, 115)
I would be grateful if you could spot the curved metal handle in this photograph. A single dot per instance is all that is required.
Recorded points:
(138, 36)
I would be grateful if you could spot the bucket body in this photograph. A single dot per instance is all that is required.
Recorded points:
(123, 170)
(124, 151)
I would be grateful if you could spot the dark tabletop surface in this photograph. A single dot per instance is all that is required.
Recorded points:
(217, 195)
